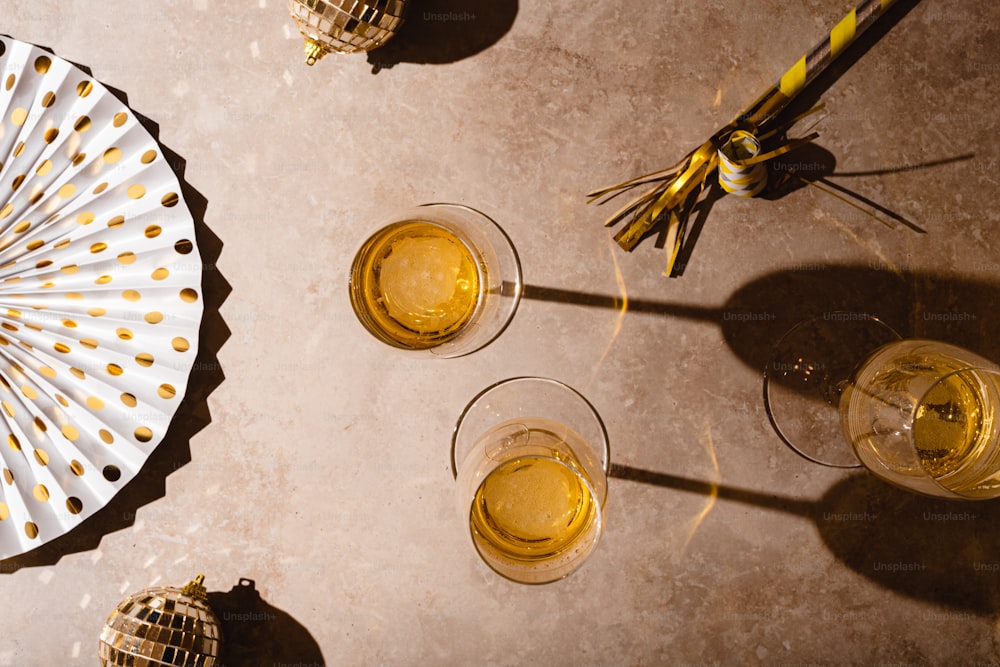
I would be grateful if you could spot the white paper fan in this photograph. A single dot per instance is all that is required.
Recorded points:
(100, 301)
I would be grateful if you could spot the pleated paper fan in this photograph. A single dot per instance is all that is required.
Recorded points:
(100, 302)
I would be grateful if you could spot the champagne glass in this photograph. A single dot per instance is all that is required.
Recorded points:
(530, 456)
(439, 279)
(919, 414)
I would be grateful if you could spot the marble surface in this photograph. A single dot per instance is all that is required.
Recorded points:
(313, 485)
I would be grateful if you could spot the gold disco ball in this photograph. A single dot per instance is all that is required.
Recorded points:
(162, 626)
(345, 26)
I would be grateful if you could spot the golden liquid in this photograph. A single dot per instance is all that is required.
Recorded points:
(531, 508)
(950, 429)
(415, 284)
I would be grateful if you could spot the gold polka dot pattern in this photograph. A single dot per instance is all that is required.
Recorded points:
(100, 296)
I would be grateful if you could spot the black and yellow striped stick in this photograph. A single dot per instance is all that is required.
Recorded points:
(677, 189)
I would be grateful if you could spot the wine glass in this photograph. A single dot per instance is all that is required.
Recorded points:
(440, 279)
(919, 414)
(530, 456)
(808, 370)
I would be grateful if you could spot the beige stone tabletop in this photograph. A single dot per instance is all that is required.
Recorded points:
(313, 486)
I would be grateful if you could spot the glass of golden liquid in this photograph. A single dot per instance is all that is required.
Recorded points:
(443, 279)
(923, 415)
(530, 456)
(919, 414)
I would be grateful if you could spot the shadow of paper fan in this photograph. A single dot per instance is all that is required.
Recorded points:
(99, 296)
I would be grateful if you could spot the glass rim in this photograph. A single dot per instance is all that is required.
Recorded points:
(990, 370)
(605, 450)
(517, 279)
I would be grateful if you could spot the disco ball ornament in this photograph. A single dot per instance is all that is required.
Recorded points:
(162, 626)
(345, 26)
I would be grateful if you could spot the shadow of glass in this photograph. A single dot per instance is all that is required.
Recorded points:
(437, 32)
(257, 634)
(192, 414)
(924, 548)
(916, 304)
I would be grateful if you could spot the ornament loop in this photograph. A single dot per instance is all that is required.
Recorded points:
(314, 51)
(196, 588)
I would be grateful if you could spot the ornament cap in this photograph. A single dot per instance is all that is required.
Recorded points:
(196, 589)
(314, 51)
